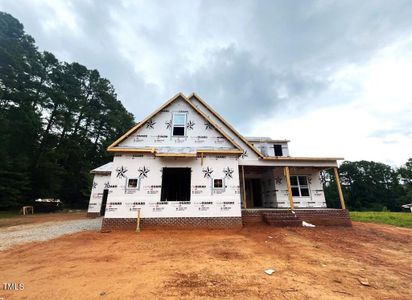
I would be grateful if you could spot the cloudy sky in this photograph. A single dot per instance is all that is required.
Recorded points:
(334, 77)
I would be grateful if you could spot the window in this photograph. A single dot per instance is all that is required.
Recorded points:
(300, 186)
(132, 183)
(179, 124)
(218, 183)
(278, 150)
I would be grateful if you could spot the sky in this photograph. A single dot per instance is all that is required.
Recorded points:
(334, 77)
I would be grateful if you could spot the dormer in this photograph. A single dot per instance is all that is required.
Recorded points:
(270, 147)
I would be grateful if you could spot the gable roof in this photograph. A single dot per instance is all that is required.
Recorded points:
(113, 147)
(219, 117)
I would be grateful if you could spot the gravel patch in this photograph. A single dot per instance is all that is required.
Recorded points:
(21, 234)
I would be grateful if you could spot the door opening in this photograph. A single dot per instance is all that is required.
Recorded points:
(176, 184)
(253, 192)
(104, 200)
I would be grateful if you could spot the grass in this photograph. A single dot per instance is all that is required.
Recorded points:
(8, 214)
(400, 219)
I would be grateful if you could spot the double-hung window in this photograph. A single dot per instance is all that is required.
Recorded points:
(179, 124)
(300, 186)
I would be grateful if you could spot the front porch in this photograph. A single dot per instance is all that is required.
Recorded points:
(286, 196)
(284, 187)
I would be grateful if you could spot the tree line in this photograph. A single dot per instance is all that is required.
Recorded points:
(56, 120)
(369, 185)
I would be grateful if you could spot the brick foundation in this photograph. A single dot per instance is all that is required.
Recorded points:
(93, 214)
(110, 224)
(319, 217)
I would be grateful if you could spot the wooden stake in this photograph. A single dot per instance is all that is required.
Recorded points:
(287, 175)
(342, 200)
(243, 187)
(138, 220)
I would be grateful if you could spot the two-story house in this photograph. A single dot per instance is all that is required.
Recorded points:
(186, 166)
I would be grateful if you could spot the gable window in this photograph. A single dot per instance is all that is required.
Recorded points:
(218, 183)
(132, 183)
(278, 150)
(179, 124)
(300, 186)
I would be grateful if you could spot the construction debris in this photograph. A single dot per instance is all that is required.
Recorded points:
(269, 271)
(305, 224)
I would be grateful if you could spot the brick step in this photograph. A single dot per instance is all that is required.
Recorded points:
(252, 219)
(280, 216)
(285, 223)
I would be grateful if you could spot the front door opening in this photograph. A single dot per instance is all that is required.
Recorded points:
(176, 184)
(253, 192)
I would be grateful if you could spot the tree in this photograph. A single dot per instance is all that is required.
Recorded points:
(56, 121)
(366, 185)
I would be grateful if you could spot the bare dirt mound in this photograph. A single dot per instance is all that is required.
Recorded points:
(367, 261)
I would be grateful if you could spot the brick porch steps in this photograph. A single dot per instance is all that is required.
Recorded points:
(281, 219)
(284, 217)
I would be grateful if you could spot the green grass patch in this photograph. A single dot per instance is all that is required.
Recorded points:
(8, 214)
(401, 219)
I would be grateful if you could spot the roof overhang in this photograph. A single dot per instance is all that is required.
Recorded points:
(306, 159)
(155, 152)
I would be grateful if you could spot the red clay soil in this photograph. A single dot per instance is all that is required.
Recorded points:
(42, 218)
(367, 261)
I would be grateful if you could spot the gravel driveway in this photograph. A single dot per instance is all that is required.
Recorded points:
(21, 234)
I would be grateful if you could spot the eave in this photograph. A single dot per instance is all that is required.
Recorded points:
(290, 158)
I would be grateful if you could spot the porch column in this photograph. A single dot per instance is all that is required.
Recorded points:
(287, 175)
(243, 187)
(342, 200)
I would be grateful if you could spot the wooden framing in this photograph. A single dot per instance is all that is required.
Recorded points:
(220, 151)
(243, 187)
(133, 150)
(112, 148)
(290, 158)
(290, 196)
(176, 155)
(342, 200)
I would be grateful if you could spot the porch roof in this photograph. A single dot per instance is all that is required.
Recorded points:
(104, 169)
(284, 161)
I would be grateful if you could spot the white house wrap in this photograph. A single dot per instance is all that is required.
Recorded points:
(184, 165)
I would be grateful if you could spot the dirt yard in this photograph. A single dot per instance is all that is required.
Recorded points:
(367, 261)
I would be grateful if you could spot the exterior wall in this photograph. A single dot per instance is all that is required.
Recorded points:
(205, 201)
(267, 148)
(157, 132)
(316, 197)
(100, 182)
